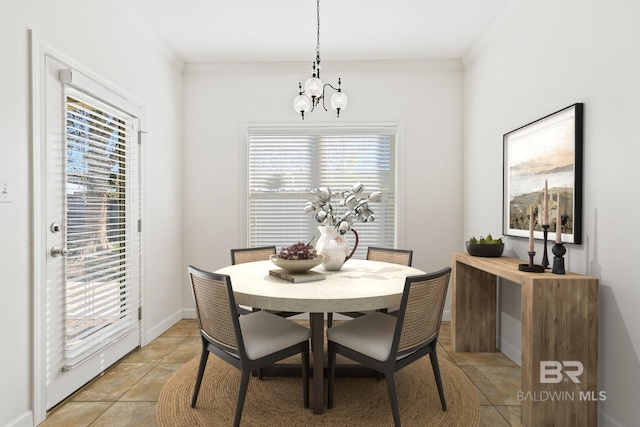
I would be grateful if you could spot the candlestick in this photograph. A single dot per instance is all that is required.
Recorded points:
(530, 228)
(558, 222)
(545, 259)
(531, 267)
(558, 261)
(545, 204)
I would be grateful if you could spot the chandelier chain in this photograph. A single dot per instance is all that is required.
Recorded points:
(318, 15)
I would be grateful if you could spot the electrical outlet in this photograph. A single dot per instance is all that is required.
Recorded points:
(6, 191)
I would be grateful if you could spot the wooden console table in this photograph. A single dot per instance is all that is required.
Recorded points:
(559, 324)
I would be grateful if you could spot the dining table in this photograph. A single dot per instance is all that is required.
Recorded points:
(360, 285)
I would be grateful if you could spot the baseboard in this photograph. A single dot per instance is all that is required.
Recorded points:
(24, 420)
(189, 313)
(446, 315)
(157, 330)
(511, 352)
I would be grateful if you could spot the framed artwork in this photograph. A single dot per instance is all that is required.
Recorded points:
(549, 151)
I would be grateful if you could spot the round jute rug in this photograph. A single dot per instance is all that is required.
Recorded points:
(357, 401)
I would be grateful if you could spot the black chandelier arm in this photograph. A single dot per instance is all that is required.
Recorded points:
(331, 86)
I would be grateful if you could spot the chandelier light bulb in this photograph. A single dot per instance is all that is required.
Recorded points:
(302, 104)
(313, 87)
(339, 101)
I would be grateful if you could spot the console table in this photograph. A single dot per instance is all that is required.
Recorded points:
(559, 325)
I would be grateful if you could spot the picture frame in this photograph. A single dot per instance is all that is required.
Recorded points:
(548, 149)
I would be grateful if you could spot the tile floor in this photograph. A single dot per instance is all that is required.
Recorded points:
(126, 394)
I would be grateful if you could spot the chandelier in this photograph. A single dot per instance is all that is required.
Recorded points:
(313, 92)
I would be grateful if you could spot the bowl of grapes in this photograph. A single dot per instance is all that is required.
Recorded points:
(297, 258)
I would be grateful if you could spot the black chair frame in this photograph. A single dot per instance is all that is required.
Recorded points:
(238, 357)
(393, 364)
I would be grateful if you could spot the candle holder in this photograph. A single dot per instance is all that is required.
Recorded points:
(545, 259)
(531, 267)
(558, 261)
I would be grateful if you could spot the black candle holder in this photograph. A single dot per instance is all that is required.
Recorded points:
(545, 259)
(531, 267)
(558, 261)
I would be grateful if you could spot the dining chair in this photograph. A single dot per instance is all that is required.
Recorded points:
(261, 253)
(387, 343)
(393, 256)
(248, 342)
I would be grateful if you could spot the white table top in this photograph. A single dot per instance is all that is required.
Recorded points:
(360, 285)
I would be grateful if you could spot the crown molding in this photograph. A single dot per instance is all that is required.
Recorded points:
(158, 44)
(341, 66)
(491, 32)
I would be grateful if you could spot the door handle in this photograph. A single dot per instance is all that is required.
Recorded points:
(56, 252)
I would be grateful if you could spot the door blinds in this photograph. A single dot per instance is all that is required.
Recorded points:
(101, 225)
(285, 164)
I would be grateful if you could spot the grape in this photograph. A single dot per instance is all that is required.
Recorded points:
(299, 250)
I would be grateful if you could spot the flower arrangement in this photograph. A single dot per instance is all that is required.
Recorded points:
(351, 206)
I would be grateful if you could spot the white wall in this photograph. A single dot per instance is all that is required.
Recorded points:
(427, 101)
(96, 35)
(548, 56)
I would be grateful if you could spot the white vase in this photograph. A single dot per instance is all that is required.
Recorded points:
(333, 248)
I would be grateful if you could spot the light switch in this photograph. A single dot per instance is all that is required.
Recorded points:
(6, 191)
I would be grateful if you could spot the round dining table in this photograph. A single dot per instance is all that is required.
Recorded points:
(360, 285)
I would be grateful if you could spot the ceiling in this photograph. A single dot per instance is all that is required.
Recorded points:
(229, 31)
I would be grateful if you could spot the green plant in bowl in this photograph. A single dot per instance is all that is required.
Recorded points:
(485, 246)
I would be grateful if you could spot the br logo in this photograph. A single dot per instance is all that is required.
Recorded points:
(552, 371)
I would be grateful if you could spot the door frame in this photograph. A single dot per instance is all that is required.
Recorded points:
(40, 48)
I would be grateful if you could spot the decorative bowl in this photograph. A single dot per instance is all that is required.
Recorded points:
(486, 250)
(295, 265)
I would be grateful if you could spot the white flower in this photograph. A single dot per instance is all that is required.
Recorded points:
(352, 208)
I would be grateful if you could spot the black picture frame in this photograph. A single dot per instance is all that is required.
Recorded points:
(550, 149)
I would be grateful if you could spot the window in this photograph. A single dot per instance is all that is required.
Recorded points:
(102, 238)
(284, 164)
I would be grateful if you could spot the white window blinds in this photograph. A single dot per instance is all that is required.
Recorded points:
(101, 225)
(285, 164)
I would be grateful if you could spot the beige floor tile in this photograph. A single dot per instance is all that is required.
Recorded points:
(149, 387)
(126, 395)
(491, 418)
(512, 414)
(490, 359)
(155, 350)
(499, 384)
(75, 414)
(127, 414)
(483, 400)
(443, 353)
(185, 351)
(445, 330)
(183, 328)
(444, 336)
(114, 383)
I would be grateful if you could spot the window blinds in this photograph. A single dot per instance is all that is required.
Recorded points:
(101, 240)
(285, 164)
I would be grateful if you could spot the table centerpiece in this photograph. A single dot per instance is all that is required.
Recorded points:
(336, 211)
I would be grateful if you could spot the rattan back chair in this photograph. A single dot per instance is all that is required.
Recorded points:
(261, 253)
(393, 256)
(249, 342)
(242, 255)
(387, 343)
